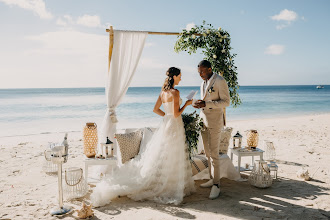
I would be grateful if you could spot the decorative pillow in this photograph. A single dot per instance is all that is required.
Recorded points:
(129, 144)
(147, 135)
(198, 163)
(130, 130)
(224, 140)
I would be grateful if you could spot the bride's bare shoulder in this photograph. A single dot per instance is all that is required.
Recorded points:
(175, 92)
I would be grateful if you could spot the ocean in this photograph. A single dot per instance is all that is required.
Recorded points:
(37, 111)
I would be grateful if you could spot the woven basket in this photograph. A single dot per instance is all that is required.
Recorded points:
(252, 138)
(75, 185)
(90, 139)
(260, 176)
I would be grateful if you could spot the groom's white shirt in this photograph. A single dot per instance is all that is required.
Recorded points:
(207, 83)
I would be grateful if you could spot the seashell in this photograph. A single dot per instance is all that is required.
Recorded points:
(85, 212)
(303, 174)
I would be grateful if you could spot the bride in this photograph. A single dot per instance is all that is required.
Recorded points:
(163, 172)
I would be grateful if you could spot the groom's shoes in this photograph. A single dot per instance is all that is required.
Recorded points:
(215, 192)
(208, 184)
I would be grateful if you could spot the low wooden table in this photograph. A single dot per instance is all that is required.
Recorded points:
(242, 152)
(112, 161)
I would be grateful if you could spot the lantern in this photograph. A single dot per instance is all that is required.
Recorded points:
(270, 156)
(75, 185)
(109, 146)
(273, 169)
(260, 176)
(237, 140)
(270, 151)
(106, 149)
(90, 139)
(252, 139)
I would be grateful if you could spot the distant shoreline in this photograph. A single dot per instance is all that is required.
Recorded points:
(154, 87)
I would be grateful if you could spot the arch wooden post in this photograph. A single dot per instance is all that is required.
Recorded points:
(110, 46)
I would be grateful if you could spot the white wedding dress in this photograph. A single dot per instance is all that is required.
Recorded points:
(162, 174)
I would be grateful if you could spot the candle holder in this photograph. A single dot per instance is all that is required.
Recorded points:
(237, 140)
(90, 139)
(273, 169)
(75, 185)
(270, 156)
(260, 176)
(252, 139)
(105, 149)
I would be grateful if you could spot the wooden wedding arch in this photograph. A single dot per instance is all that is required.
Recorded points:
(111, 32)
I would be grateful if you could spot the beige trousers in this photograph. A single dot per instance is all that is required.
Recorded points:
(211, 141)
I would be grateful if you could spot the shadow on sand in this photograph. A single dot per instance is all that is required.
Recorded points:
(285, 199)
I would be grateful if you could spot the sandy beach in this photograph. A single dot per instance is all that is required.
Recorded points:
(26, 192)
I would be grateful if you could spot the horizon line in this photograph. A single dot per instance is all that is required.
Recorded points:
(158, 86)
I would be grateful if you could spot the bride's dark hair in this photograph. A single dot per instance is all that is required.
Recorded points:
(169, 81)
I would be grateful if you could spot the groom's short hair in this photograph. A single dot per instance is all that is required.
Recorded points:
(205, 63)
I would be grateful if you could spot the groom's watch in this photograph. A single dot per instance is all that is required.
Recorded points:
(202, 103)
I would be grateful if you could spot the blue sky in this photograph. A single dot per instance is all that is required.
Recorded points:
(64, 44)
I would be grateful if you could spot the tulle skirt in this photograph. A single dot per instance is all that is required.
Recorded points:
(162, 174)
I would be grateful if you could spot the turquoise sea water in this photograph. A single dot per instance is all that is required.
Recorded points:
(35, 111)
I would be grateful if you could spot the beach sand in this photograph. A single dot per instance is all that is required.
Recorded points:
(26, 192)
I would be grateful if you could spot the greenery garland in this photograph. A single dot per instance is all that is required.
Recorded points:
(192, 125)
(215, 45)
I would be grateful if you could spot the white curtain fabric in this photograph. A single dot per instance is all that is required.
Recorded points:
(126, 53)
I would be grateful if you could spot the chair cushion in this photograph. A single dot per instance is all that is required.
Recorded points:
(129, 144)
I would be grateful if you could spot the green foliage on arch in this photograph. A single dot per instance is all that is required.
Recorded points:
(215, 45)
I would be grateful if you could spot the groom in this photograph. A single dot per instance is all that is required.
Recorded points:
(215, 97)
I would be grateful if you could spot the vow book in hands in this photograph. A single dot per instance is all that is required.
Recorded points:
(191, 95)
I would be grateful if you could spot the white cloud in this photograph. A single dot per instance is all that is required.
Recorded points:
(285, 15)
(68, 18)
(37, 6)
(65, 20)
(190, 26)
(69, 42)
(281, 26)
(275, 49)
(89, 21)
(61, 22)
(58, 59)
(85, 20)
